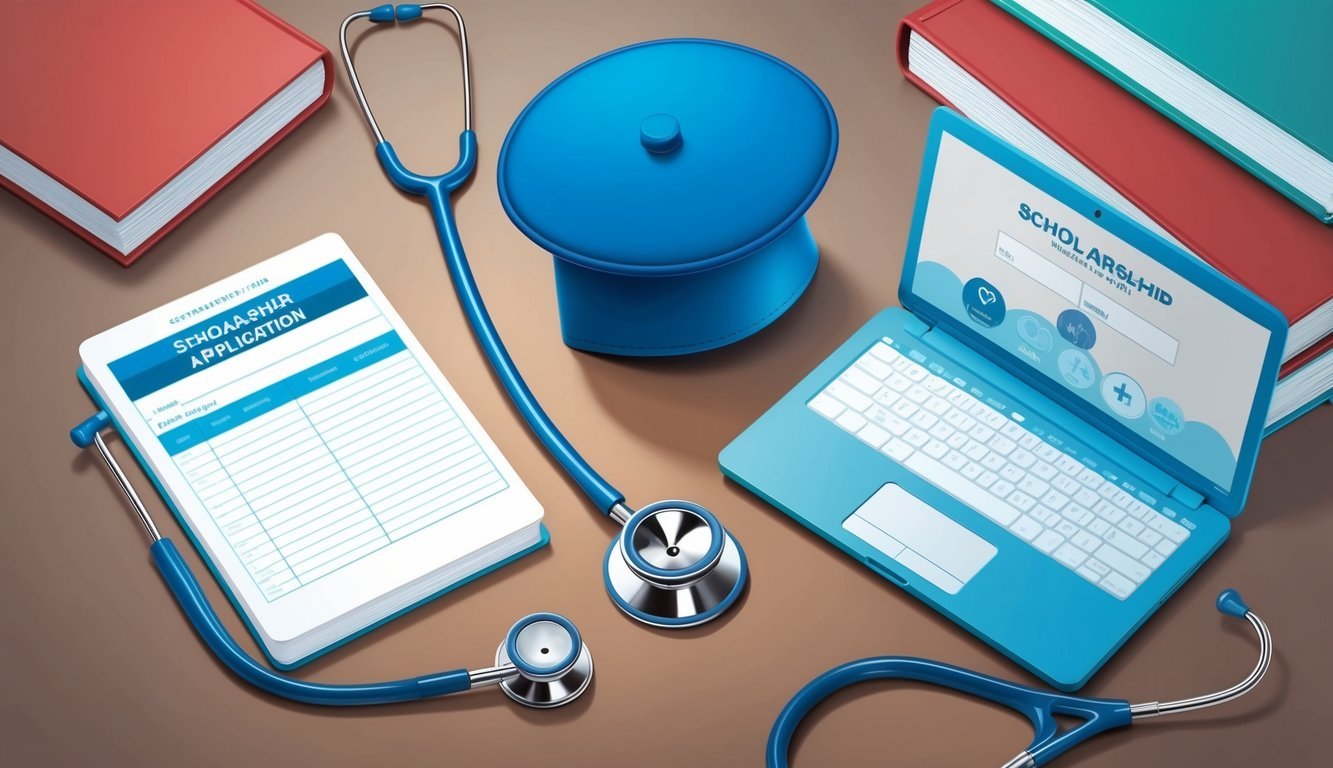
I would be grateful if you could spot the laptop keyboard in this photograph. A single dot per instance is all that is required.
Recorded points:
(992, 463)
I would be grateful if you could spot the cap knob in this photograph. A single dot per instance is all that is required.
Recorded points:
(660, 134)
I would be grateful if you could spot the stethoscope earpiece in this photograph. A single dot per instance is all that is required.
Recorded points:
(554, 666)
(674, 565)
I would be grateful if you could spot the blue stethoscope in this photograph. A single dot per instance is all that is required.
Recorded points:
(673, 564)
(1039, 706)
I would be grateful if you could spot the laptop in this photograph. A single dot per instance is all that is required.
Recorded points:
(1053, 432)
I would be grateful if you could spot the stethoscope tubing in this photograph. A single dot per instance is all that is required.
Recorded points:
(180, 580)
(1040, 707)
(437, 191)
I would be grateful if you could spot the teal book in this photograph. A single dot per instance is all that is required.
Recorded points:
(1252, 79)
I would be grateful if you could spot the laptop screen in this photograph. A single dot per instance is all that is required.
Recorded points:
(1095, 317)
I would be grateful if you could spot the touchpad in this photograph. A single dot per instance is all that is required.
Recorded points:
(920, 538)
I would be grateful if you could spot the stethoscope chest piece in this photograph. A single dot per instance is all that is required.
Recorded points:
(554, 665)
(673, 565)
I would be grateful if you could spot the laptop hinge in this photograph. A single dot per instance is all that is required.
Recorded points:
(917, 327)
(1187, 497)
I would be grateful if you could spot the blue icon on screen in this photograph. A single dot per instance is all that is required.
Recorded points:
(984, 303)
(1123, 395)
(1076, 328)
(1076, 368)
(1036, 333)
(1166, 415)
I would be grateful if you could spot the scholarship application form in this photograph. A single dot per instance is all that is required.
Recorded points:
(313, 448)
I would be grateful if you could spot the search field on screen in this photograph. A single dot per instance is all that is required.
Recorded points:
(1089, 299)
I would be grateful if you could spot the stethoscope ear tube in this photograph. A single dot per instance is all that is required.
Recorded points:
(190, 596)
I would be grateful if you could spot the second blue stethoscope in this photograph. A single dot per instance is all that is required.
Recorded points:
(673, 564)
(1039, 706)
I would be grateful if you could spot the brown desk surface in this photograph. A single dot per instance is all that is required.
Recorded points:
(99, 667)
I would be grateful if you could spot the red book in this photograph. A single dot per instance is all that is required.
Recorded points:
(120, 119)
(992, 67)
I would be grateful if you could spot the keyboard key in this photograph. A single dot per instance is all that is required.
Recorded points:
(980, 432)
(1012, 474)
(1001, 445)
(1150, 537)
(1088, 573)
(1085, 497)
(975, 451)
(1126, 543)
(872, 435)
(1046, 452)
(1153, 560)
(936, 450)
(1055, 500)
(862, 381)
(1070, 555)
(914, 372)
(875, 367)
(1011, 430)
(1172, 530)
(899, 383)
(918, 394)
(1131, 526)
(1021, 500)
(938, 386)
(885, 352)
(1044, 471)
(1137, 509)
(1165, 547)
(941, 431)
(1068, 464)
(852, 422)
(986, 479)
(849, 396)
(1098, 526)
(1022, 458)
(956, 441)
(993, 461)
(923, 419)
(959, 419)
(1117, 585)
(1001, 488)
(826, 406)
(886, 397)
(938, 406)
(1047, 541)
(988, 416)
(1065, 528)
(1128, 567)
(904, 408)
(1026, 528)
(1104, 510)
(974, 497)
(970, 470)
(1079, 515)
(1027, 441)
(954, 460)
(1096, 566)
(1033, 486)
(916, 438)
(1066, 484)
(897, 450)
(1086, 541)
(1090, 479)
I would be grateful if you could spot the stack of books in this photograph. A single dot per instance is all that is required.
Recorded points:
(1181, 116)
